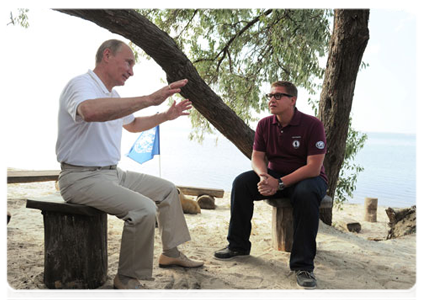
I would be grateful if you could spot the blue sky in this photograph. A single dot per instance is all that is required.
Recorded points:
(40, 60)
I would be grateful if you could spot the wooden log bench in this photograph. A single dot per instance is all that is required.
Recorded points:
(25, 176)
(282, 222)
(75, 243)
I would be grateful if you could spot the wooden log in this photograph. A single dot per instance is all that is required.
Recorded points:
(32, 176)
(25, 176)
(198, 191)
(282, 229)
(401, 221)
(350, 225)
(206, 202)
(282, 222)
(54, 202)
(75, 244)
(327, 202)
(189, 206)
(75, 250)
(370, 209)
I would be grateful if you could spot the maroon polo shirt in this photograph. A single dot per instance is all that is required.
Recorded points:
(287, 148)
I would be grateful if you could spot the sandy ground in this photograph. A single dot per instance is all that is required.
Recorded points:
(344, 261)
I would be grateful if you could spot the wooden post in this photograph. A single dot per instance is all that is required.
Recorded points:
(75, 255)
(75, 250)
(283, 228)
(75, 243)
(370, 209)
(283, 222)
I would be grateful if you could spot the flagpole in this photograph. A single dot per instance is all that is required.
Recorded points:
(160, 166)
(160, 155)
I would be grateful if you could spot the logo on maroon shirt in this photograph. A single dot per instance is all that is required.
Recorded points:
(320, 145)
(296, 144)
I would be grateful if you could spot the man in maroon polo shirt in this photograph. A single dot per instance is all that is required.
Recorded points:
(295, 145)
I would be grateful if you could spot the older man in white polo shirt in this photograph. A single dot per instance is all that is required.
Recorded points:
(91, 117)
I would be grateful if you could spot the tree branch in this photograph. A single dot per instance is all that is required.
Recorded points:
(187, 25)
(225, 49)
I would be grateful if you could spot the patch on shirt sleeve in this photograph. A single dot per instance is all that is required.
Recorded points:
(320, 145)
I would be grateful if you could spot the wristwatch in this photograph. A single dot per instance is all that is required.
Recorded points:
(281, 185)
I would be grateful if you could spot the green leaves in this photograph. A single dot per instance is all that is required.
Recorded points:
(238, 51)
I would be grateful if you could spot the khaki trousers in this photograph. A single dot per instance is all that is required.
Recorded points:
(137, 199)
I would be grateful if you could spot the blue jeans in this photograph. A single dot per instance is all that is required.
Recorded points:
(305, 198)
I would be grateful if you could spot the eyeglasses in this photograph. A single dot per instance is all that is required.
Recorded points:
(278, 96)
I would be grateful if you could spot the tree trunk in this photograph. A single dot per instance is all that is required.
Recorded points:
(163, 49)
(348, 42)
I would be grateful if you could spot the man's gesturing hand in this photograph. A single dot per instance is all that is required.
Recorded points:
(178, 109)
(161, 95)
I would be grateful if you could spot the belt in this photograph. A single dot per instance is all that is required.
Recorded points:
(65, 166)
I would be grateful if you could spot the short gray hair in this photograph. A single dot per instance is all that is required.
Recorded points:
(113, 45)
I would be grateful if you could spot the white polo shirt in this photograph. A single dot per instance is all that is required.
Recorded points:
(87, 143)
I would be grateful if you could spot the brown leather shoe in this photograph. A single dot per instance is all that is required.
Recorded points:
(133, 290)
(181, 261)
(125, 283)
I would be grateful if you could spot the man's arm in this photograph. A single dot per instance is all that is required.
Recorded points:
(311, 169)
(145, 123)
(107, 109)
(259, 165)
(258, 162)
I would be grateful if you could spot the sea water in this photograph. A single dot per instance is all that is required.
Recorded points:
(389, 162)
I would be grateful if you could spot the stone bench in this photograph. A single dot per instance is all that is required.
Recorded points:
(75, 243)
(282, 222)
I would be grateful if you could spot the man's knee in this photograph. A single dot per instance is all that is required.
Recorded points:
(168, 185)
(146, 214)
(307, 192)
(245, 179)
(169, 190)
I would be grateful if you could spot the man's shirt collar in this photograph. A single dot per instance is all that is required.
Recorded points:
(295, 121)
(99, 82)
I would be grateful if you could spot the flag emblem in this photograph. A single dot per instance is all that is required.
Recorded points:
(146, 146)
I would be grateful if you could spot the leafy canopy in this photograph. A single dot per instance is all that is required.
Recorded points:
(237, 51)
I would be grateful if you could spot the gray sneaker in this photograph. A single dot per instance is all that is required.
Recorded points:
(305, 279)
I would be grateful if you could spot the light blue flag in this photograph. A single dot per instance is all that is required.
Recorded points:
(146, 146)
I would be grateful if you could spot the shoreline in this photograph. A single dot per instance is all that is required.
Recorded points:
(344, 260)
(355, 200)
(226, 192)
